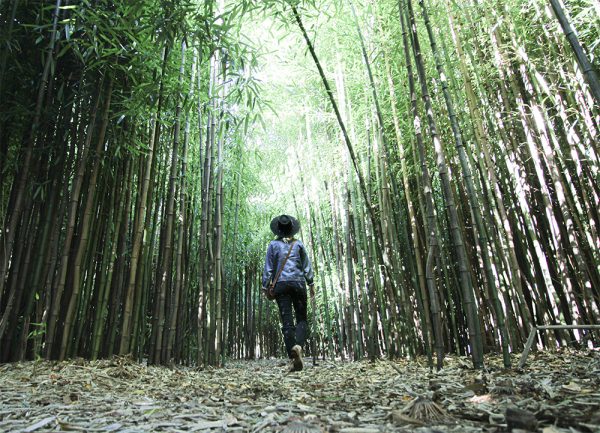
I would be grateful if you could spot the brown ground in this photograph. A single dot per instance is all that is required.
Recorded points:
(555, 392)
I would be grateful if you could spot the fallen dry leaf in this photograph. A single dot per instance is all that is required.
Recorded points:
(572, 386)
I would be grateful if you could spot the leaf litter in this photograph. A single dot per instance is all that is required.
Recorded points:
(556, 392)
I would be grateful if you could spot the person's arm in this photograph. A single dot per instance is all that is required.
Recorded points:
(268, 270)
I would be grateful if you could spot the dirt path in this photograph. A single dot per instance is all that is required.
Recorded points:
(562, 391)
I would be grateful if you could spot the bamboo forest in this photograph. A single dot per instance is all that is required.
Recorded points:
(442, 158)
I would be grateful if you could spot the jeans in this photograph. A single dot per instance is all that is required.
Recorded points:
(292, 294)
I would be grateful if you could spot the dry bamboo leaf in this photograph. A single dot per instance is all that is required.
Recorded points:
(66, 426)
(40, 424)
(304, 408)
(112, 427)
(301, 427)
(572, 386)
(553, 429)
(208, 424)
(399, 418)
(360, 430)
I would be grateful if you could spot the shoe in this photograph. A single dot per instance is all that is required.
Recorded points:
(297, 364)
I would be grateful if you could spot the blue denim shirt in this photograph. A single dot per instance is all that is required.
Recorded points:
(297, 267)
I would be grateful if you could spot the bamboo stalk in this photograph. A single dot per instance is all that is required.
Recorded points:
(582, 59)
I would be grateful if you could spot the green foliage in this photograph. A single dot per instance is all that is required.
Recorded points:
(277, 148)
(39, 330)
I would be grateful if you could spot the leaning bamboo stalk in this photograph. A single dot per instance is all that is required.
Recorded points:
(179, 265)
(481, 139)
(325, 296)
(430, 220)
(207, 174)
(7, 236)
(568, 205)
(126, 328)
(111, 253)
(351, 277)
(350, 147)
(19, 266)
(472, 194)
(70, 230)
(389, 225)
(513, 182)
(456, 236)
(366, 278)
(85, 225)
(218, 251)
(534, 330)
(164, 275)
(415, 261)
(149, 279)
(582, 59)
(3, 53)
(43, 251)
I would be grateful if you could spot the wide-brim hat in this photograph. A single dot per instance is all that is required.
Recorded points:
(285, 225)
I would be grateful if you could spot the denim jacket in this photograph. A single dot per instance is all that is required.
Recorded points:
(297, 267)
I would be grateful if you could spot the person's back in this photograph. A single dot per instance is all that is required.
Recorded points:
(297, 267)
(288, 270)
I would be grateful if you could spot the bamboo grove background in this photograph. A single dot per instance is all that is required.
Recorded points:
(442, 157)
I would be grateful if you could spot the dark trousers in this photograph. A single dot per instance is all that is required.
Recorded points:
(292, 294)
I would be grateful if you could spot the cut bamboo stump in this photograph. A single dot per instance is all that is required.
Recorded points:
(534, 330)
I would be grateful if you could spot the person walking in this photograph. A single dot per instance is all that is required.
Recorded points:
(287, 272)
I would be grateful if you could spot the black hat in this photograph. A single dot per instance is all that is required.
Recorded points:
(285, 225)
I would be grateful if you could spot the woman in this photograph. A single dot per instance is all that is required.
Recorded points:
(287, 264)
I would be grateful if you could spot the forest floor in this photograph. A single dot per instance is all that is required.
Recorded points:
(554, 392)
